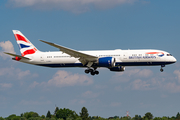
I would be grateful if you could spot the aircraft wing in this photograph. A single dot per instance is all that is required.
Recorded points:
(83, 58)
(17, 56)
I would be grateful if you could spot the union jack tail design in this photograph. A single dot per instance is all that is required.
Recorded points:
(25, 46)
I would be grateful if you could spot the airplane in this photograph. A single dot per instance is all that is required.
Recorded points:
(114, 60)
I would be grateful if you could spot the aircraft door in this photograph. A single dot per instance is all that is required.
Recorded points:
(125, 56)
(42, 57)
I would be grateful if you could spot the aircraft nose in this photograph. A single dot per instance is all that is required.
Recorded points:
(174, 59)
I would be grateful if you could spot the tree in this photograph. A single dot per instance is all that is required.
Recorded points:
(34, 114)
(178, 116)
(2, 118)
(125, 118)
(116, 117)
(148, 115)
(172, 118)
(16, 118)
(23, 118)
(136, 117)
(48, 114)
(43, 116)
(56, 110)
(157, 118)
(10, 117)
(84, 114)
(65, 113)
(79, 118)
(28, 115)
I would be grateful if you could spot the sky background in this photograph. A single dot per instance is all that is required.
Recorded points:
(90, 25)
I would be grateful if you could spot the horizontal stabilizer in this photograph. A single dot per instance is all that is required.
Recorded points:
(17, 56)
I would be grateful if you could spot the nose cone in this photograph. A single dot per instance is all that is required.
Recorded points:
(174, 59)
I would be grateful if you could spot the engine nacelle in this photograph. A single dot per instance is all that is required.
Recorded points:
(118, 69)
(107, 62)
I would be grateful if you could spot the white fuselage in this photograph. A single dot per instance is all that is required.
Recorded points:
(122, 57)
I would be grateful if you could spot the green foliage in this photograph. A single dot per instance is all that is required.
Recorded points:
(23, 118)
(60, 119)
(148, 115)
(52, 119)
(57, 109)
(164, 118)
(157, 118)
(28, 115)
(66, 113)
(34, 118)
(84, 114)
(146, 118)
(68, 118)
(43, 116)
(125, 118)
(47, 118)
(48, 114)
(1, 118)
(13, 117)
(99, 118)
(16, 118)
(136, 117)
(115, 117)
(178, 116)
(79, 118)
(35, 115)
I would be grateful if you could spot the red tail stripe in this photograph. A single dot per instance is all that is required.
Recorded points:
(31, 51)
(21, 38)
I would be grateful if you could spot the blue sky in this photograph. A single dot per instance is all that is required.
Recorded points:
(90, 25)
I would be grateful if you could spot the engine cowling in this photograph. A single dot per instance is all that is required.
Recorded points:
(118, 69)
(109, 62)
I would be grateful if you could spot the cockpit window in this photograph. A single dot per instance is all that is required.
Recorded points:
(169, 55)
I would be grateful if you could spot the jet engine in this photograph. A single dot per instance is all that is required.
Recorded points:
(107, 62)
(118, 69)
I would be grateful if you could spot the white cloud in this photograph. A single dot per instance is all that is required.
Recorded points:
(137, 79)
(34, 84)
(30, 102)
(90, 94)
(82, 102)
(16, 73)
(63, 78)
(118, 88)
(4, 86)
(101, 86)
(6, 71)
(132, 74)
(77, 101)
(139, 73)
(140, 85)
(22, 74)
(6, 46)
(177, 72)
(75, 6)
(172, 87)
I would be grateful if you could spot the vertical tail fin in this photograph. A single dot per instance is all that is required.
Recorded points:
(25, 46)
